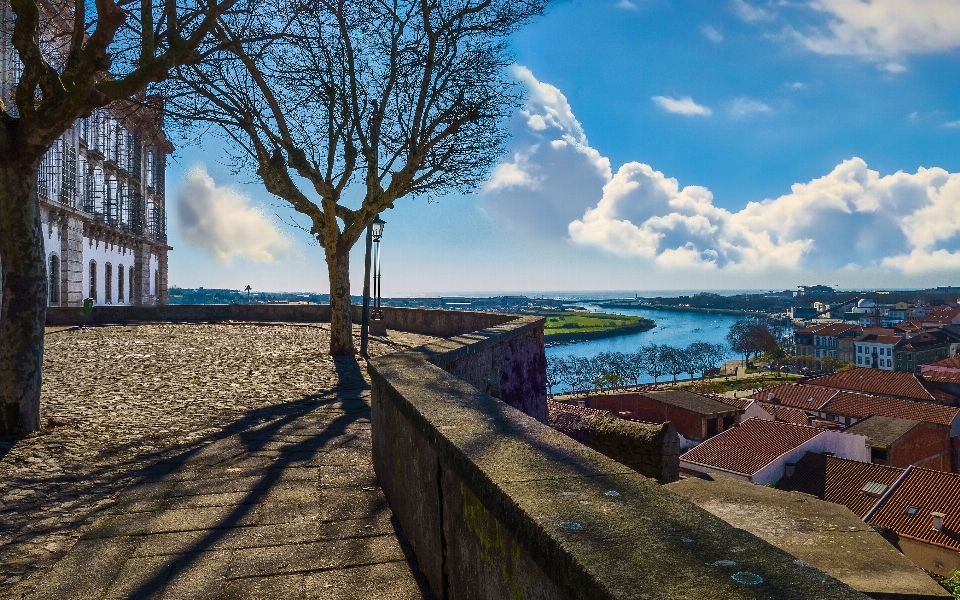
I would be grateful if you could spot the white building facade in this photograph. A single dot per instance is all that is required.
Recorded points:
(876, 351)
(102, 198)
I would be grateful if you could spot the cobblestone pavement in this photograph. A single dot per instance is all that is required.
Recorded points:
(129, 404)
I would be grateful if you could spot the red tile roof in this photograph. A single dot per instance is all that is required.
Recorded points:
(875, 381)
(797, 395)
(838, 480)
(930, 491)
(751, 446)
(942, 377)
(952, 362)
(873, 338)
(786, 414)
(861, 406)
(836, 329)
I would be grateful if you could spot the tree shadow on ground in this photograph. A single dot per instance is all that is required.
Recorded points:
(257, 429)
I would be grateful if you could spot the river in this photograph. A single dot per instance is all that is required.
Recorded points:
(673, 328)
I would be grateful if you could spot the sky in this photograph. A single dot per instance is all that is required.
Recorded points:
(664, 144)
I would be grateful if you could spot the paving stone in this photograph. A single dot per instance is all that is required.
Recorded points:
(156, 433)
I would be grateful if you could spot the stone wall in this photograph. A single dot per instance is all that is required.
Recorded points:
(435, 322)
(497, 504)
(649, 449)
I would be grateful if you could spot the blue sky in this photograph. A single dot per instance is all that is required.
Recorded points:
(665, 144)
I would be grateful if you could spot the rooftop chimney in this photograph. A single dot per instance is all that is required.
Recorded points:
(789, 469)
(771, 398)
(938, 520)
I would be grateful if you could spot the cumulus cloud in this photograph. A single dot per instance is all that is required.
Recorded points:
(741, 107)
(222, 222)
(682, 106)
(750, 13)
(851, 216)
(541, 186)
(884, 31)
(556, 184)
(711, 33)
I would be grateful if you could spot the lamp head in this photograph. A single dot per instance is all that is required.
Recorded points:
(377, 228)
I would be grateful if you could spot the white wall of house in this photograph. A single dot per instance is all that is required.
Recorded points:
(755, 411)
(104, 253)
(843, 445)
(864, 355)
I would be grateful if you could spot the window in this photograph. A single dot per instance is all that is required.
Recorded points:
(93, 280)
(859, 360)
(108, 283)
(156, 283)
(130, 283)
(912, 511)
(54, 288)
(120, 284)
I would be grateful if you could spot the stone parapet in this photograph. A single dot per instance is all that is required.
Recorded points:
(651, 449)
(497, 504)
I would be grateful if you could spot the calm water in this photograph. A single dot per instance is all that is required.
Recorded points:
(673, 328)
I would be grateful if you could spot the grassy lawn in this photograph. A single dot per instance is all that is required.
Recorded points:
(719, 386)
(569, 322)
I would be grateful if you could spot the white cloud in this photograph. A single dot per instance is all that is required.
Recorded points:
(795, 85)
(221, 221)
(711, 33)
(741, 107)
(851, 218)
(884, 31)
(751, 13)
(682, 106)
(627, 5)
(951, 124)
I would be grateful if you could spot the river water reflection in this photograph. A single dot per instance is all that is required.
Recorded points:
(678, 329)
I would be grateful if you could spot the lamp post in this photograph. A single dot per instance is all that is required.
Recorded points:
(374, 233)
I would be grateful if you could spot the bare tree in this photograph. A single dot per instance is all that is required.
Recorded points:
(653, 361)
(558, 372)
(401, 98)
(63, 60)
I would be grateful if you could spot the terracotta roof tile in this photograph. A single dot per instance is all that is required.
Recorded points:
(876, 381)
(873, 338)
(952, 362)
(838, 480)
(861, 406)
(929, 491)
(942, 377)
(797, 395)
(749, 447)
(786, 414)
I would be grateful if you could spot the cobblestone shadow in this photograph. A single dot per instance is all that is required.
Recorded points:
(286, 506)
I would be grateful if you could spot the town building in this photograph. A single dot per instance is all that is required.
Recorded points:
(921, 349)
(826, 340)
(876, 350)
(919, 507)
(102, 200)
(903, 442)
(896, 384)
(758, 450)
(944, 373)
(696, 417)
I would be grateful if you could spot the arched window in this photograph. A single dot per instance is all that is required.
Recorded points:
(120, 275)
(93, 280)
(108, 283)
(130, 283)
(54, 287)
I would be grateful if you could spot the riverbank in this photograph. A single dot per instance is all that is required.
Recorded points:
(567, 327)
(693, 309)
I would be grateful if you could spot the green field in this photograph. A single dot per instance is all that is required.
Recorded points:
(571, 324)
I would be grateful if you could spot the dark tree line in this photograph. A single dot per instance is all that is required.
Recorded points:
(750, 337)
(609, 370)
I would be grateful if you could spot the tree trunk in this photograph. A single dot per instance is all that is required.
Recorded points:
(341, 317)
(24, 306)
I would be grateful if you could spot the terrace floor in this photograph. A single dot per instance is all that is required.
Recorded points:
(200, 461)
